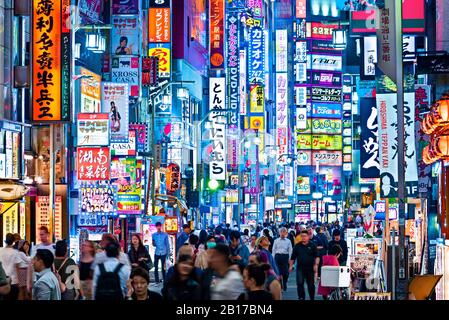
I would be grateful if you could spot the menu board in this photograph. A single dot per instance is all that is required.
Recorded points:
(44, 216)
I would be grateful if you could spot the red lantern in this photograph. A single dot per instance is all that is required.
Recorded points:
(173, 177)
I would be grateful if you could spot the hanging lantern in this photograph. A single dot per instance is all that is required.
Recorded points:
(441, 111)
(441, 146)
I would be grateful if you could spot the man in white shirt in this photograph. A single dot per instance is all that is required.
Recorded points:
(45, 242)
(9, 257)
(282, 250)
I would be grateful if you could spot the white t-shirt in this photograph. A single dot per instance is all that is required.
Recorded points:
(10, 258)
(228, 288)
(25, 260)
(36, 247)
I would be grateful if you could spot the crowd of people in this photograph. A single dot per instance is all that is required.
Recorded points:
(218, 263)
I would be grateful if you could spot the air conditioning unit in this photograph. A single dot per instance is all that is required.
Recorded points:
(22, 8)
(21, 77)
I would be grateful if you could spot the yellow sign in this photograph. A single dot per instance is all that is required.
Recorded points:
(319, 142)
(257, 122)
(164, 56)
(304, 141)
(10, 215)
(257, 99)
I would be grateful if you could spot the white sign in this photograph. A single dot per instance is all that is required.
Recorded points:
(217, 96)
(300, 96)
(125, 69)
(281, 50)
(125, 148)
(325, 62)
(288, 180)
(369, 56)
(93, 129)
(387, 40)
(281, 112)
(242, 82)
(301, 118)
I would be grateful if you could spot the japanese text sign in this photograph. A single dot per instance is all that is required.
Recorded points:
(93, 164)
(216, 33)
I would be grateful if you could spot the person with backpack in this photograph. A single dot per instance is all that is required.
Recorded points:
(67, 273)
(111, 276)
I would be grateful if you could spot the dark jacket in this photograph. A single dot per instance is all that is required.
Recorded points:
(142, 252)
(189, 290)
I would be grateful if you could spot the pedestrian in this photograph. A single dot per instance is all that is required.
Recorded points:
(162, 245)
(239, 252)
(330, 259)
(111, 276)
(46, 286)
(225, 282)
(227, 231)
(24, 247)
(305, 254)
(202, 238)
(138, 284)
(282, 250)
(193, 243)
(100, 257)
(343, 245)
(184, 285)
(252, 245)
(9, 257)
(263, 245)
(138, 255)
(183, 237)
(5, 286)
(219, 237)
(67, 272)
(322, 248)
(185, 250)
(45, 242)
(246, 239)
(87, 258)
(254, 277)
(272, 284)
(211, 242)
(266, 233)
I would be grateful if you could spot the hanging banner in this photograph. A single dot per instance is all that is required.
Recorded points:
(163, 53)
(126, 70)
(282, 115)
(159, 25)
(125, 6)
(369, 56)
(242, 83)
(99, 200)
(125, 39)
(93, 129)
(116, 103)
(387, 40)
(141, 135)
(216, 32)
(423, 98)
(49, 59)
(281, 50)
(233, 73)
(173, 178)
(9, 211)
(327, 110)
(256, 56)
(217, 165)
(369, 151)
(93, 164)
(150, 67)
(90, 91)
(301, 12)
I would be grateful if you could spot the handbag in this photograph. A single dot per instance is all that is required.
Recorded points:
(149, 263)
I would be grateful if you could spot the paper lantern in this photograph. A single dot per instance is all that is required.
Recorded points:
(441, 112)
(441, 146)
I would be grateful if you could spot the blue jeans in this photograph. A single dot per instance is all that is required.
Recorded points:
(162, 259)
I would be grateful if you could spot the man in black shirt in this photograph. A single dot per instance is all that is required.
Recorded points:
(305, 253)
(336, 234)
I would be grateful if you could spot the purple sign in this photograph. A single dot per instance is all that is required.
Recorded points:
(125, 6)
(326, 78)
(90, 11)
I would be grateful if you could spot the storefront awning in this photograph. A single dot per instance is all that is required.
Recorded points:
(422, 287)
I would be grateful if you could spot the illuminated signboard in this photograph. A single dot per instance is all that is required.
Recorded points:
(319, 142)
(256, 55)
(326, 126)
(327, 110)
(51, 62)
(93, 129)
(325, 62)
(216, 32)
(159, 25)
(163, 53)
(303, 185)
(321, 31)
(327, 158)
(281, 50)
(323, 78)
(93, 164)
(324, 94)
(125, 39)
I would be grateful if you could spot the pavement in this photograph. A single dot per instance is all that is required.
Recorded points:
(290, 294)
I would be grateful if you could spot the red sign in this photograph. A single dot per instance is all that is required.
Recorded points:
(301, 9)
(93, 164)
(149, 70)
(173, 177)
(216, 34)
(322, 31)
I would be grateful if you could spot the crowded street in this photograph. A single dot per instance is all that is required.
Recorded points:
(257, 152)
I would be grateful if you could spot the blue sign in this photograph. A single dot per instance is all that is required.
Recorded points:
(327, 110)
(256, 53)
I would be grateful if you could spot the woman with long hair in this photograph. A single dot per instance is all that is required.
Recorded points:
(138, 254)
(87, 257)
(25, 261)
(185, 283)
(115, 118)
(272, 283)
(254, 278)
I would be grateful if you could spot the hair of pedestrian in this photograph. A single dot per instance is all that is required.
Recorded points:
(46, 256)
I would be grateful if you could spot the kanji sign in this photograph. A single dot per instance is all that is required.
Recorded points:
(369, 153)
(233, 62)
(93, 164)
(216, 33)
(163, 53)
(48, 62)
(217, 165)
(173, 177)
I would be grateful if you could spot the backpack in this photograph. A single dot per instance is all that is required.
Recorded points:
(108, 285)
